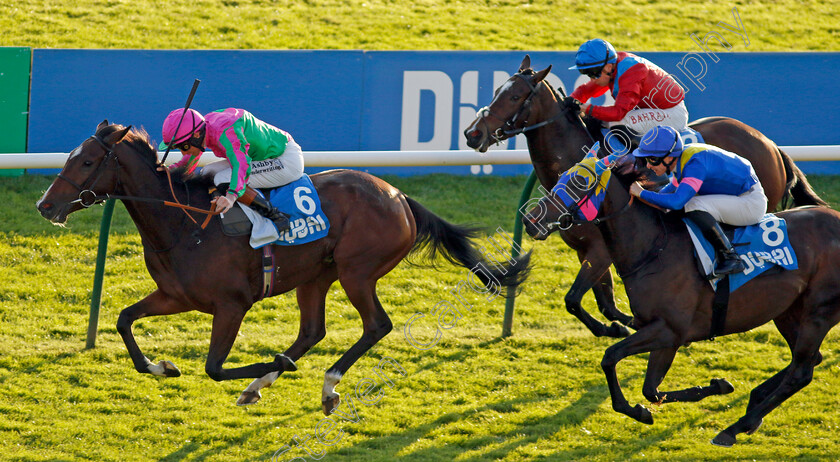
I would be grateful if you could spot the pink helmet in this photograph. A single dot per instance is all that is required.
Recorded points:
(192, 122)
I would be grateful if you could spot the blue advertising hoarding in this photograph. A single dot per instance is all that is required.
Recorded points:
(399, 100)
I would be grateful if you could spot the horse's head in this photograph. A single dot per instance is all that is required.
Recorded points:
(91, 171)
(511, 109)
(577, 198)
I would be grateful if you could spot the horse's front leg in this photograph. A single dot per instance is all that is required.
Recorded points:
(311, 300)
(605, 299)
(653, 336)
(155, 304)
(591, 271)
(227, 319)
(658, 364)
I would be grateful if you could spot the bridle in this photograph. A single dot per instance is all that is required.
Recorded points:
(87, 197)
(509, 129)
(563, 224)
(567, 220)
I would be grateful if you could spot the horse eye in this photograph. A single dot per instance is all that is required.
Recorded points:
(87, 163)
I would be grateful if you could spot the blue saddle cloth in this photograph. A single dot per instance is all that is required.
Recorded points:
(300, 200)
(760, 246)
(688, 135)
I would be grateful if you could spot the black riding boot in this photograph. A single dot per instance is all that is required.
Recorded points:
(728, 262)
(264, 208)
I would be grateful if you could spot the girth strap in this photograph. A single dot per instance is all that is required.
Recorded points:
(720, 303)
(268, 271)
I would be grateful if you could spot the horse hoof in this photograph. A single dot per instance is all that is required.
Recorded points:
(723, 385)
(286, 363)
(329, 403)
(169, 369)
(643, 415)
(617, 330)
(248, 397)
(754, 429)
(164, 369)
(724, 439)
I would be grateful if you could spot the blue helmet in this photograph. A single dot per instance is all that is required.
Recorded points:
(660, 141)
(594, 53)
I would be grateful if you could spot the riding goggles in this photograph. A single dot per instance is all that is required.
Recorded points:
(653, 160)
(592, 72)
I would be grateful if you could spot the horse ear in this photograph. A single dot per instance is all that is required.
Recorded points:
(102, 125)
(542, 74)
(526, 63)
(117, 136)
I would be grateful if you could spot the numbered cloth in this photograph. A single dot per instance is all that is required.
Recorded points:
(308, 222)
(760, 246)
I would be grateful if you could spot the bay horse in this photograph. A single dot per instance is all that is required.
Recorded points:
(374, 226)
(558, 139)
(672, 302)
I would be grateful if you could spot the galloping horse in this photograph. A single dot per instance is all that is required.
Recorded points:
(672, 302)
(557, 139)
(374, 226)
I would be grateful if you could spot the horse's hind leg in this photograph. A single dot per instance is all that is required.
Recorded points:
(787, 325)
(658, 364)
(312, 298)
(799, 373)
(376, 325)
(155, 304)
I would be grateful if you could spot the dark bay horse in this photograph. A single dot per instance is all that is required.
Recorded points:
(557, 140)
(374, 226)
(672, 302)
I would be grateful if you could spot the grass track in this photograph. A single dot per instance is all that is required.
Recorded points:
(539, 395)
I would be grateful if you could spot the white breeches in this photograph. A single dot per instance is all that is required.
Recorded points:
(744, 210)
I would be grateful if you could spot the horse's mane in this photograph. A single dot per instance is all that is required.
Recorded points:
(593, 125)
(140, 140)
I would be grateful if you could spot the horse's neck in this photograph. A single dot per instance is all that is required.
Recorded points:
(159, 225)
(556, 147)
(629, 234)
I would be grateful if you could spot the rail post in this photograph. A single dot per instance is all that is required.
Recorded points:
(507, 324)
(99, 273)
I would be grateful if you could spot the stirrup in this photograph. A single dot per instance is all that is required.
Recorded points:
(281, 221)
(731, 264)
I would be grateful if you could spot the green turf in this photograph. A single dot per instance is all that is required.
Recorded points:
(785, 25)
(539, 395)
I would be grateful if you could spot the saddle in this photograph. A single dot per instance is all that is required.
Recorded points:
(234, 222)
(299, 199)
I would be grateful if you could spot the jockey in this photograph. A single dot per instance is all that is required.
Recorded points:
(256, 155)
(645, 95)
(711, 184)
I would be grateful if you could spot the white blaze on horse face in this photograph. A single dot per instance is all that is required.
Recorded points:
(74, 153)
(502, 90)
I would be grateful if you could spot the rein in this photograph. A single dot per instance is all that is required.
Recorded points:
(88, 198)
(502, 134)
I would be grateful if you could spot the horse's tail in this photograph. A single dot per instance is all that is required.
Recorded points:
(797, 187)
(456, 244)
